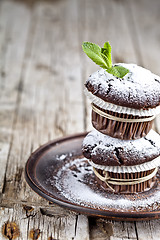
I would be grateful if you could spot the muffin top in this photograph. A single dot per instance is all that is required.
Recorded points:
(138, 89)
(107, 151)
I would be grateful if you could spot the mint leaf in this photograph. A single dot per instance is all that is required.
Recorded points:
(106, 50)
(118, 71)
(103, 58)
(93, 51)
(106, 58)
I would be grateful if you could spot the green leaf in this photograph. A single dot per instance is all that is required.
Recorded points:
(118, 71)
(106, 50)
(102, 57)
(105, 57)
(93, 51)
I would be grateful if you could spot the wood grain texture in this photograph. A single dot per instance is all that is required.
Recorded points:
(43, 108)
(12, 55)
(42, 72)
(57, 227)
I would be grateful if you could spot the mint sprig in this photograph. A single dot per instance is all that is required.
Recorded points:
(102, 57)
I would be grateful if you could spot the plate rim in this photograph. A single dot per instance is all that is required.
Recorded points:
(120, 216)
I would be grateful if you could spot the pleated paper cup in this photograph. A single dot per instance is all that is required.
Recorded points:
(129, 173)
(120, 129)
(127, 189)
(146, 166)
(121, 109)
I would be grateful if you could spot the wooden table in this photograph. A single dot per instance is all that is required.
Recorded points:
(43, 70)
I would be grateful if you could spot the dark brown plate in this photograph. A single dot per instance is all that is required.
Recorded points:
(58, 172)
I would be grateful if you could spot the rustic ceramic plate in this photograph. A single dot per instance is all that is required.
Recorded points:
(58, 172)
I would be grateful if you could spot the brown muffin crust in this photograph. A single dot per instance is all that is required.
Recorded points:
(139, 89)
(107, 151)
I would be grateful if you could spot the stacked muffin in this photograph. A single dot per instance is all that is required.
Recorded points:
(123, 150)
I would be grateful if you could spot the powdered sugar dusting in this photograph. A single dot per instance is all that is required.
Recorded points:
(138, 89)
(131, 151)
(95, 137)
(75, 181)
(62, 157)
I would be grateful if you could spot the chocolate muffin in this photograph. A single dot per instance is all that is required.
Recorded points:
(123, 166)
(124, 107)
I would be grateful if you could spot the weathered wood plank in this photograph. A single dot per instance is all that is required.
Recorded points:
(82, 228)
(31, 221)
(42, 98)
(148, 230)
(145, 30)
(46, 107)
(124, 230)
(4, 150)
(12, 50)
(49, 105)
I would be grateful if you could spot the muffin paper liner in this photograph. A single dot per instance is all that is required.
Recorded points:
(129, 169)
(118, 129)
(127, 189)
(115, 108)
(104, 113)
